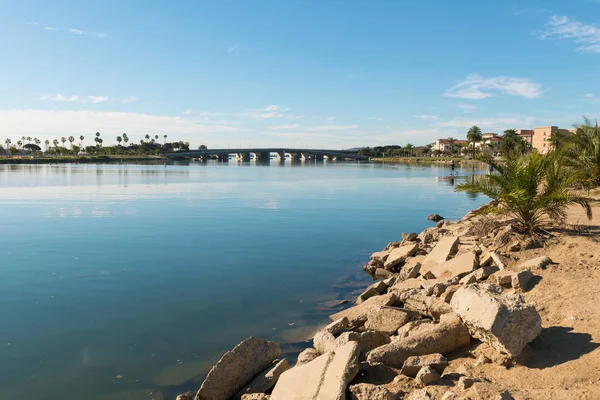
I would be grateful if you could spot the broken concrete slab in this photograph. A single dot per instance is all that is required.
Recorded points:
(448, 335)
(412, 365)
(458, 267)
(444, 248)
(306, 356)
(539, 262)
(265, 380)
(400, 254)
(357, 315)
(367, 391)
(410, 270)
(520, 280)
(374, 290)
(237, 367)
(386, 320)
(505, 322)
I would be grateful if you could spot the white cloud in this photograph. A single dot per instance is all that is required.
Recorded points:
(50, 28)
(232, 49)
(476, 87)
(187, 111)
(291, 126)
(500, 123)
(269, 112)
(59, 97)
(101, 35)
(130, 99)
(98, 99)
(562, 28)
(333, 127)
(76, 31)
(589, 95)
(17, 122)
(330, 118)
(425, 116)
(376, 118)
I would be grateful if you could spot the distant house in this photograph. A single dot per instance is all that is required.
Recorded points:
(445, 145)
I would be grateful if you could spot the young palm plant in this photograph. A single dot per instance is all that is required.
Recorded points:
(532, 189)
(582, 153)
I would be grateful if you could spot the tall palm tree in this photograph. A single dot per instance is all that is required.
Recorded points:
(28, 139)
(582, 153)
(147, 137)
(23, 138)
(125, 138)
(8, 142)
(47, 143)
(81, 140)
(71, 140)
(474, 136)
(165, 136)
(533, 189)
(451, 142)
(20, 143)
(63, 140)
(37, 141)
(55, 143)
(119, 139)
(156, 137)
(97, 139)
(409, 148)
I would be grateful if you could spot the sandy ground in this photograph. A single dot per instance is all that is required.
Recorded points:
(564, 361)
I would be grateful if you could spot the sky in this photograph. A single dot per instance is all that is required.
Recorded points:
(304, 73)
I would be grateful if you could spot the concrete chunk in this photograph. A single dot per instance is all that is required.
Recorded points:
(505, 322)
(357, 315)
(400, 254)
(409, 270)
(446, 336)
(374, 290)
(458, 267)
(367, 391)
(386, 320)
(444, 248)
(265, 380)
(427, 375)
(539, 262)
(412, 365)
(306, 356)
(520, 280)
(236, 368)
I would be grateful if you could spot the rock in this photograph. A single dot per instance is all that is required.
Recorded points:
(403, 286)
(367, 391)
(503, 278)
(390, 281)
(459, 266)
(357, 315)
(427, 375)
(449, 292)
(326, 377)
(256, 396)
(374, 290)
(379, 257)
(444, 248)
(337, 325)
(400, 254)
(444, 337)
(265, 380)
(440, 224)
(370, 340)
(435, 217)
(484, 272)
(505, 322)
(539, 262)
(425, 237)
(421, 394)
(520, 280)
(449, 395)
(185, 396)
(503, 236)
(468, 279)
(413, 326)
(307, 355)
(237, 367)
(412, 365)
(497, 260)
(503, 396)
(409, 237)
(410, 270)
(482, 359)
(382, 273)
(464, 383)
(486, 259)
(325, 341)
(426, 305)
(386, 320)
(371, 267)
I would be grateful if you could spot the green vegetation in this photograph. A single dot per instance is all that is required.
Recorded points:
(582, 153)
(512, 144)
(474, 136)
(533, 189)
(408, 150)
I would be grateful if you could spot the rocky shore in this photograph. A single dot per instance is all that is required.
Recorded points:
(446, 318)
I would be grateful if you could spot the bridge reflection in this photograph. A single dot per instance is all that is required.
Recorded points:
(264, 154)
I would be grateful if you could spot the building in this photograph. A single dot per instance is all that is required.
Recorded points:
(541, 137)
(444, 145)
(527, 135)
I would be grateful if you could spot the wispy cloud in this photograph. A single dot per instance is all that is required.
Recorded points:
(50, 28)
(101, 35)
(291, 126)
(330, 118)
(233, 49)
(425, 116)
(559, 28)
(499, 122)
(270, 112)
(376, 118)
(76, 31)
(98, 99)
(475, 87)
(59, 97)
(130, 99)
(589, 95)
(333, 127)
(187, 111)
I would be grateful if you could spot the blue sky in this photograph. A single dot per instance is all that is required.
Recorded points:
(313, 73)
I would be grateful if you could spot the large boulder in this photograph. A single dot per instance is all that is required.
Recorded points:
(386, 320)
(435, 217)
(326, 377)
(444, 337)
(400, 254)
(367, 391)
(457, 267)
(505, 322)
(237, 368)
(265, 380)
(307, 355)
(444, 248)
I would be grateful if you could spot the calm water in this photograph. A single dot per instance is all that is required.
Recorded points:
(150, 272)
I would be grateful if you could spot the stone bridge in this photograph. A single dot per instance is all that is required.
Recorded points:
(264, 154)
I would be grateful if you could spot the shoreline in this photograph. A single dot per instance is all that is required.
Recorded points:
(411, 302)
(79, 159)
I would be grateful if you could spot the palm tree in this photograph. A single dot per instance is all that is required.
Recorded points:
(28, 139)
(47, 143)
(63, 140)
(147, 137)
(512, 143)
(409, 148)
(23, 139)
(474, 136)
(20, 143)
(37, 141)
(165, 136)
(55, 143)
(451, 142)
(125, 138)
(582, 153)
(81, 140)
(156, 137)
(533, 189)
(71, 140)
(7, 141)
(119, 139)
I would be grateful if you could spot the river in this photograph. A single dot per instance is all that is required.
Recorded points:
(128, 281)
